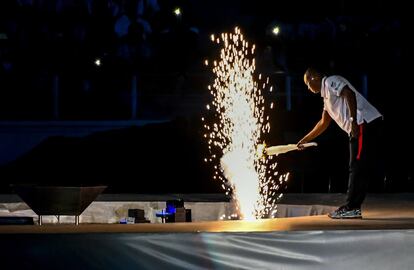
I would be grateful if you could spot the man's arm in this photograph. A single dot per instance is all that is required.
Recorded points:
(350, 98)
(320, 127)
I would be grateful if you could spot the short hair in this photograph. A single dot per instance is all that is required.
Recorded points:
(312, 72)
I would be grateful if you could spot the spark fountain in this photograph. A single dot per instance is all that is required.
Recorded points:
(236, 127)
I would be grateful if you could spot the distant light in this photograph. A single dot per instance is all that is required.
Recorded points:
(177, 12)
(98, 62)
(276, 30)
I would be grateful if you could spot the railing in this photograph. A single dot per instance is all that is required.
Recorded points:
(105, 96)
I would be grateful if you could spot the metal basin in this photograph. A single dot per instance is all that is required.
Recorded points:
(58, 200)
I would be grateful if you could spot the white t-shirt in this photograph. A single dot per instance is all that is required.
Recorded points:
(336, 106)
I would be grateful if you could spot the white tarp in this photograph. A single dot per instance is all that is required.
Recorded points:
(367, 250)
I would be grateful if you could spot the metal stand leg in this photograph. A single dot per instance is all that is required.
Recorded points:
(40, 220)
(76, 220)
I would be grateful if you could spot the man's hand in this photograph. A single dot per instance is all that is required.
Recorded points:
(300, 144)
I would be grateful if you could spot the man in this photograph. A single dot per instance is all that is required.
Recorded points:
(350, 110)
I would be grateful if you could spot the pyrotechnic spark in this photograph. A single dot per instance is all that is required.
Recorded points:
(238, 128)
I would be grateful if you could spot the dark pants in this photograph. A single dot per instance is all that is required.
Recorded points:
(357, 181)
(362, 159)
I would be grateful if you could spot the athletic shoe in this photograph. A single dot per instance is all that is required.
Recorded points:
(344, 212)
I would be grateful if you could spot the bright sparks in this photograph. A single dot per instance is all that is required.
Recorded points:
(237, 128)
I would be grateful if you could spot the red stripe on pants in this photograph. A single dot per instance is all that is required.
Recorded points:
(360, 141)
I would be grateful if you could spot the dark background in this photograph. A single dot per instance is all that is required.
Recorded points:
(152, 70)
